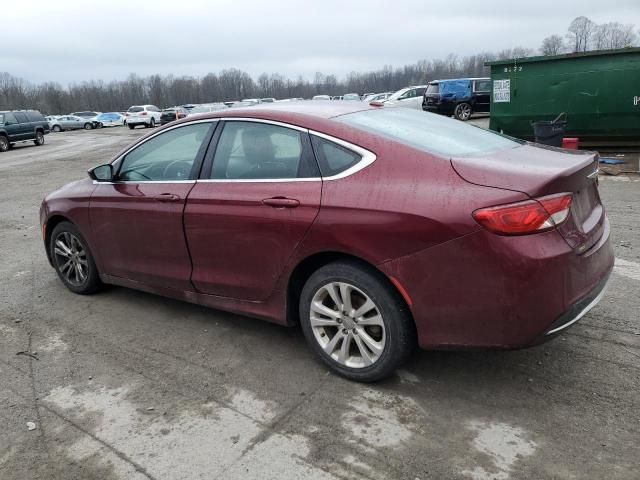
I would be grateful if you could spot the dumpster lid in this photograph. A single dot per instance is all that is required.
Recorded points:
(564, 56)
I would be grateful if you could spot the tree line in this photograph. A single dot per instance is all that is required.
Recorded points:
(233, 84)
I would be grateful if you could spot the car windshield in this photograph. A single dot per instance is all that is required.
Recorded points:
(398, 94)
(433, 88)
(428, 132)
(135, 109)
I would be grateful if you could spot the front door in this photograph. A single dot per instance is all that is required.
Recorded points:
(248, 214)
(137, 219)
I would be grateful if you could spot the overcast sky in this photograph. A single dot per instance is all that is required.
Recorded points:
(71, 41)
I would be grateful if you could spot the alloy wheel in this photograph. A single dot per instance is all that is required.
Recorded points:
(464, 111)
(71, 258)
(347, 325)
(4, 144)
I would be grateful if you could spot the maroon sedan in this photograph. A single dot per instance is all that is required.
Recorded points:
(375, 229)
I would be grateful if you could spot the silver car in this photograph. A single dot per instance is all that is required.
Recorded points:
(71, 122)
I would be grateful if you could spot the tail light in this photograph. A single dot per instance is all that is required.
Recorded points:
(143, 113)
(530, 216)
(126, 114)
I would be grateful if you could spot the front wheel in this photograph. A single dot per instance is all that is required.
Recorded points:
(73, 260)
(355, 321)
(462, 111)
(57, 128)
(39, 139)
(88, 126)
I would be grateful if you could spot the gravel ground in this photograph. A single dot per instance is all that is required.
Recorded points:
(127, 385)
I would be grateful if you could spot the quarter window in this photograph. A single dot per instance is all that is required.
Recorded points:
(332, 158)
(251, 150)
(167, 157)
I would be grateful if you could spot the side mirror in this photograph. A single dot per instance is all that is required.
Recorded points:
(102, 173)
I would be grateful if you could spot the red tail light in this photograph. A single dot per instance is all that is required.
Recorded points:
(143, 113)
(126, 114)
(530, 216)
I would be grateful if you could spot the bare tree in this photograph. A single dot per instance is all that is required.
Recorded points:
(580, 32)
(552, 45)
(613, 35)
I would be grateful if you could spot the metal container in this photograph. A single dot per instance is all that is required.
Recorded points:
(599, 91)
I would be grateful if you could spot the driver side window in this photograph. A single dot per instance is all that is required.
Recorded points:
(166, 157)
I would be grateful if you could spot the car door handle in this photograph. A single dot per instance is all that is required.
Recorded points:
(167, 197)
(281, 202)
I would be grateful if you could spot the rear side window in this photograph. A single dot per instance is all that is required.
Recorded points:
(482, 86)
(428, 132)
(35, 116)
(433, 88)
(251, 150)
(21, 117)
(333, 158)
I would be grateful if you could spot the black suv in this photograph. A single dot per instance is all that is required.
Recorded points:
(459, 97)
(22, 126)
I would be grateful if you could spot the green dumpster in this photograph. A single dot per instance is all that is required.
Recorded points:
(599, 91)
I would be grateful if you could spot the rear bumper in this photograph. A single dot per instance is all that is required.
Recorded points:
(575, 312)
(488, 291)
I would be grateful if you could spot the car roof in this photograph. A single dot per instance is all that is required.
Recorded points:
(320, 109)
(458, 79)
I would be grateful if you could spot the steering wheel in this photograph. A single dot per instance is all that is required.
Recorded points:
(178, 170)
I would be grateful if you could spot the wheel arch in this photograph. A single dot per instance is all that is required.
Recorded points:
(51, 223)
(307, 266)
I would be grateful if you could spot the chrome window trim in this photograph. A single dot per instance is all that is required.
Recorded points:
(96, 182)
(366, 157)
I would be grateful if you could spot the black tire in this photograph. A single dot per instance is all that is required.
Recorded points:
(463, 111)
(88, 126)
(100, 125)
(39, 138)
(131, 127)
(4, 143)
(399, 329)
(152, 123)
(91, 282)
(57, 128)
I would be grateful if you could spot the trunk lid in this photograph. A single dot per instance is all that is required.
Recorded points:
(539, 171)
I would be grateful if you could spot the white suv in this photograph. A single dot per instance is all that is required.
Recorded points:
(147, 115)
(410, 97)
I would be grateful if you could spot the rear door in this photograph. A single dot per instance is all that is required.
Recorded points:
(137, 218)
(23, 128)
(482, 95)
(256, 199)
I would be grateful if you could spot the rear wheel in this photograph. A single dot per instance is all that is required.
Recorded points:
(355, 321)
(88, 126)
(73, 260)
(39, 138)
(131, 127)
(462, 111)
(4, 143)
(152, 123)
